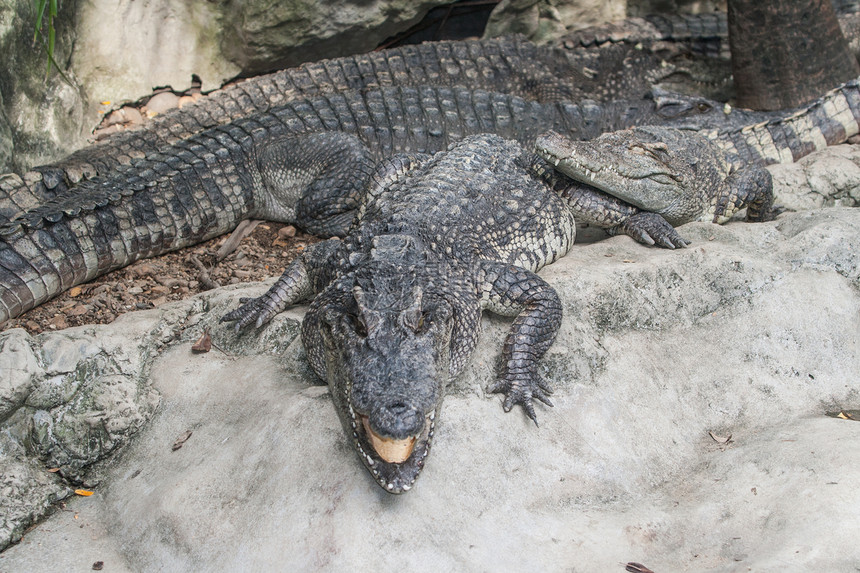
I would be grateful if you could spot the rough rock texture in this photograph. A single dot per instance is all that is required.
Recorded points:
(545, 20)
(119, 50)
(40, 119)
(265, 36)
(824, 179)
(751, 332)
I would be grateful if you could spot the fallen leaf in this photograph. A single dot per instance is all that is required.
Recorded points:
(720, 439)
(181, 440)
(84, 492)
(203, 344)
(75, 291)
(636, 568)
(98, 565)
(53, 470)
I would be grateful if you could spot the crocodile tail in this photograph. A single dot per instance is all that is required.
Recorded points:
(109, 223)
(829, 120)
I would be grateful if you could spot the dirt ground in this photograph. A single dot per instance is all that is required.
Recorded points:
(151, 282)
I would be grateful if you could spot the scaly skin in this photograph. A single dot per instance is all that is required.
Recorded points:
(509, 65)
(396, 304)
(505, 65)
(306, 163)
(683, 176)
(678, 175)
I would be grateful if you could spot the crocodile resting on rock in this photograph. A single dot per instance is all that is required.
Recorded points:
(308, 162)
(396, 304)
(648, 176)
(505, 65)
(305, 162)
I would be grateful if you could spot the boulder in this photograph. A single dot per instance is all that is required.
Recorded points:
(702, 421)
(544, 21)
(115, 51)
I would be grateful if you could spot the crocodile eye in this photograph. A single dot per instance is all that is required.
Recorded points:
(704, 107)
(417, 322)
(358, 325)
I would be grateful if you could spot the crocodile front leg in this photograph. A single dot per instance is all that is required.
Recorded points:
(594, 208)
(300, 281)
(513, 291)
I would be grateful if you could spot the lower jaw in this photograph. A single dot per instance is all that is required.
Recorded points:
(393, 477)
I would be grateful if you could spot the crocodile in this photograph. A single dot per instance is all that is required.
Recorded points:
(644, 180)
(396, 305)
(623, 70)
(307, 163)
(506, 65)
(304, 162)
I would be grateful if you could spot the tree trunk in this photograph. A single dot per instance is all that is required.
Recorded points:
(786, 53)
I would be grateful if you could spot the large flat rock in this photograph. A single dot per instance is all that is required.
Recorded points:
(752, 333)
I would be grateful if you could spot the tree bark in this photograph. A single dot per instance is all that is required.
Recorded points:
(786, 53)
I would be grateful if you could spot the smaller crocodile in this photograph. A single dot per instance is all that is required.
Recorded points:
(655, 175)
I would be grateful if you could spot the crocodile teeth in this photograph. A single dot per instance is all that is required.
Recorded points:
(392, 451)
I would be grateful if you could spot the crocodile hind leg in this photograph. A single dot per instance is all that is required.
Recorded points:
(750, 187)
(512, 290)
(314, 180)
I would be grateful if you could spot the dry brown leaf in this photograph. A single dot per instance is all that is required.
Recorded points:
(53, 470)
(75, 291)
(181, 440)
(720, 439)
(846, 415)
(203, 344)
(84, 492)
(98, 565)
(636, 568)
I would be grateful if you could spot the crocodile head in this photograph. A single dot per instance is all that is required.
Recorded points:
(658, 169)
(385, 332)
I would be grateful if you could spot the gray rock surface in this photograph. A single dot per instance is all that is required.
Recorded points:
(40, 118)
(115, 51)
(825, 179)
(752, 333)
(544, 21)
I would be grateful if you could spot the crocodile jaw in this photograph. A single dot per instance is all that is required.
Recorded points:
(405, 458)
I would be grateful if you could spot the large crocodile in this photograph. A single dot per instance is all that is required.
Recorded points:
(615, 61)
(305, 162)
(506, 65)
(397, 303)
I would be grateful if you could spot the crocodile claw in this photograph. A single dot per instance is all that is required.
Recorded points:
(523, 391)
(258, 310)
(652, 229)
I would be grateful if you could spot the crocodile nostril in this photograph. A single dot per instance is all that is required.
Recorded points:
(399, 408)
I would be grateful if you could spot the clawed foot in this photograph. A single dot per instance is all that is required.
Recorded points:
(523, 390)
(652, 229)
(259, 310)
